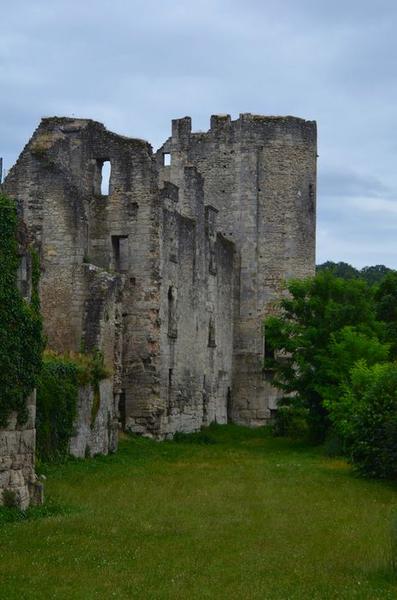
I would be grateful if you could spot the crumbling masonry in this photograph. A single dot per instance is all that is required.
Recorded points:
(171, 271)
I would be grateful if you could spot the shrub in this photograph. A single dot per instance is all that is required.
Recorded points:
(291, 420)
(9, 499)
(365, 417)
(324, 325)
(57, 396)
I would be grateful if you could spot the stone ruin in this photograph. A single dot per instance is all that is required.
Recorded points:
(170, 271)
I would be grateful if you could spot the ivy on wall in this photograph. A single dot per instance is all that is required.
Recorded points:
(57, 397)
(21, 338)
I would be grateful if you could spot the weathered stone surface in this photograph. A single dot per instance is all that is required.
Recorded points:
(96, 422)
(171, 273)
(18, 481)
(260, 174)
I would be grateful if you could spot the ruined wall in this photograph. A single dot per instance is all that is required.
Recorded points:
(95, 429)
(194, 317)
(196, 311)
(57, 182)
(260, 173)
(17, 461)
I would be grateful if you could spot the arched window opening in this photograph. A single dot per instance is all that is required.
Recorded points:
(172, 317)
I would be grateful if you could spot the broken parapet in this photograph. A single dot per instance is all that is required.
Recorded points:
(19, 485)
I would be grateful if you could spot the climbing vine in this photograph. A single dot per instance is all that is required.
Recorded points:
(21, 338)
(57, 397)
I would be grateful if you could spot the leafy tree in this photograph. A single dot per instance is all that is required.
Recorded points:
(365, 416)
(372, 275)
(340, 269)
(325, 325)
(386, 308)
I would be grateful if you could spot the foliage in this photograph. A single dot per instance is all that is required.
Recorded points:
(291, 419)
(372, 275)
(21, 341)
(326, 324)
(250, 516)
(9, 498)
(57, 395)
(365, 416)
(340, 269)
(386, 308)
(375, 274)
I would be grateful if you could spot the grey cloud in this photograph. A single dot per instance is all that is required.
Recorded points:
(136, 64)
(342, 182)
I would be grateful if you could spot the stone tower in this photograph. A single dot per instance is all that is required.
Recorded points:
(260, 176)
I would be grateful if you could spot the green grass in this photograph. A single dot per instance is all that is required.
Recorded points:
(230, 513)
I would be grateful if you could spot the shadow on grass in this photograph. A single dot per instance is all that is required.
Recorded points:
(254, 439)
(14, 515)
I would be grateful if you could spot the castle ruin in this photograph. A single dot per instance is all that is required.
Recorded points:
(172, 269)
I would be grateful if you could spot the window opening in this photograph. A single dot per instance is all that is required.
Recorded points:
(166, 159)
(172, 318)
(105, 177)
(211, 333)
(229, 405)
(122, 409)
(120, 252)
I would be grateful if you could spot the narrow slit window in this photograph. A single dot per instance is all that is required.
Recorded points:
(105, 177)
(211, 333)
(120, 252)
(122, 410)
(166, 159)
(172, 317)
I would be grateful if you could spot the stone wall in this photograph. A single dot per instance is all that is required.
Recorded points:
(96, 421)
(18, 482)
(195, 317)
(260, 174)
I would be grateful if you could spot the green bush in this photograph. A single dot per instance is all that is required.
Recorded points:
(291, 420)
(9, 499)
(57, 396)
(21, 341)
(323, 327)
(365, 416)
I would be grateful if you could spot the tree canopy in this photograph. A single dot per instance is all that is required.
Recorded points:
(324, 326)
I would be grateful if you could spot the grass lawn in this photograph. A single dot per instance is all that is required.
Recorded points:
(246, 516)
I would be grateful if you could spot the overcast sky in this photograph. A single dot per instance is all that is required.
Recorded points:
(136, 64)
